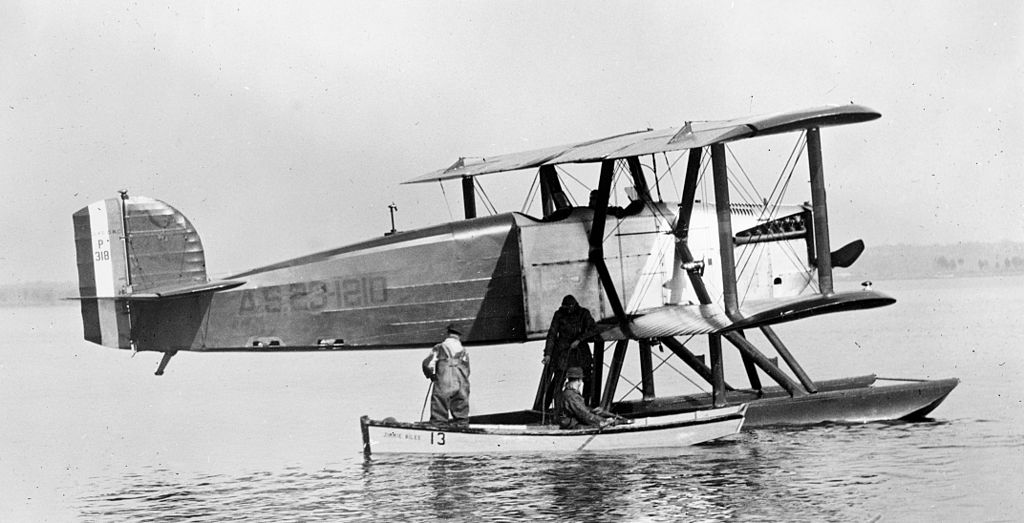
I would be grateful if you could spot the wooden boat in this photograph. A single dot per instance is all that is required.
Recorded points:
(676, 430)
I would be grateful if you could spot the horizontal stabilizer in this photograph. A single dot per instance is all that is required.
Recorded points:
(175, 291)
(170, 291)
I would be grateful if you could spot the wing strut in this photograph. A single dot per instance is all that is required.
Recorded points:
(469, 196)
(682, 230)
(597, 244)
(639, 182)
(725, 241)
(552, 197)
(820, 210)
(726, 244)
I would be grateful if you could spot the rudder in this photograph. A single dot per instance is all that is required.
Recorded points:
(160, 250)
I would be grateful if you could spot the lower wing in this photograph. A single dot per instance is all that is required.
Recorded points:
(677, 320)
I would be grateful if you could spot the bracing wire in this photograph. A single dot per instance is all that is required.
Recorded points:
(742, 191)
(791, 164)
(663, 361)
(479, 189)
(669, 173)
(568, 193)
(770, 209)
(532, 193)
(446, 203)
(794, 157)
(742, 170)
(750, 282)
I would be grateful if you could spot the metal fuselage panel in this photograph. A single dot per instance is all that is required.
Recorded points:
(396, 291)
(638, 250)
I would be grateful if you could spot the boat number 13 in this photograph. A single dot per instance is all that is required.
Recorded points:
(437, 438)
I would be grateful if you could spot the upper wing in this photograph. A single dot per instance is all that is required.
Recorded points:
(691, 135)
(677, 320)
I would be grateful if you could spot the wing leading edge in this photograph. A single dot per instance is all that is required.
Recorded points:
(689, 136)
(680, 320)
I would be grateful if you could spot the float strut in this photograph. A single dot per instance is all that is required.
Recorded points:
(750, 367)
(766, 365)
(545, 380)
(717, 371)
(595, 383)
(646, 371)
(695, 363)
(776, 342)
(614, 370)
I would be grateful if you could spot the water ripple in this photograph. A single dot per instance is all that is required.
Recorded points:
(824, 472)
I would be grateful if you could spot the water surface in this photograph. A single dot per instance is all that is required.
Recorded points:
(88, 433)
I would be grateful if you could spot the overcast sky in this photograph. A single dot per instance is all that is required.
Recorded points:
(283, 128)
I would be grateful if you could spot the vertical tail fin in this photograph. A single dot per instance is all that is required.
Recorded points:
(129, 245)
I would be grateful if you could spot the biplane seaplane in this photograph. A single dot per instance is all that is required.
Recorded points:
(654, 273)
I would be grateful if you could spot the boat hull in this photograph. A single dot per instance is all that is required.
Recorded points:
(675, 430)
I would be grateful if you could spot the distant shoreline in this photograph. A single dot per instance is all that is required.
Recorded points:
(37, 294)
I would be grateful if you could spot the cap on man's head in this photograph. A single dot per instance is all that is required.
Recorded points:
(569, 301)
(453, 329)
(574, 373)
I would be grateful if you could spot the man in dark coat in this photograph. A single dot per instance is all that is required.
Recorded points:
(448, 367)
(572, 411)
(565, 346)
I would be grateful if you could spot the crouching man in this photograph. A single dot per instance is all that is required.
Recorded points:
(572, 410)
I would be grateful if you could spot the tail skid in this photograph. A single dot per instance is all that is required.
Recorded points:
(164, 361)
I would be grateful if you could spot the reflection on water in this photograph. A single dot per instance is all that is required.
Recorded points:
(829, 472)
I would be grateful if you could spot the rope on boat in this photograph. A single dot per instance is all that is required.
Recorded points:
(425, 399)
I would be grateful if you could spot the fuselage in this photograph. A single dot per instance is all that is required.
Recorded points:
(499, 277)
